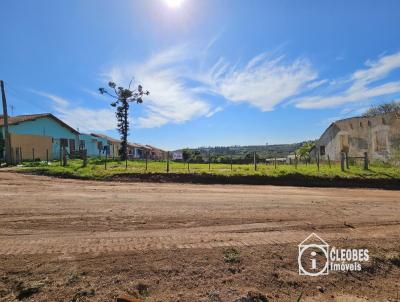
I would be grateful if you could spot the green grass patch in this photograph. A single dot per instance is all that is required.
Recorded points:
(96, 169)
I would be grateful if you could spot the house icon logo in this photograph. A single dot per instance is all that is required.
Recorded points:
(313, 256)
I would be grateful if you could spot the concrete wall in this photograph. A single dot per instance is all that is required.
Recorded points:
(26, 143)
(379, 136)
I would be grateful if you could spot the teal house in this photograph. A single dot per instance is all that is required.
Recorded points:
(40, 135)
(95, 145)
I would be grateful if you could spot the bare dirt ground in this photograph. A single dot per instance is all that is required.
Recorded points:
(73, 240)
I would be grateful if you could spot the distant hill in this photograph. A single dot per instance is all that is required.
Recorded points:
(263, 151)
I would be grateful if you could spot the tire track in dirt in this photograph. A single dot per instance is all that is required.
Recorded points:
(132, 241)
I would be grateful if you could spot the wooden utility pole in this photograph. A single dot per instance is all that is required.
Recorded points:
(5, 119)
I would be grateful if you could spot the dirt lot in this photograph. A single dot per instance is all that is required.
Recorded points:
(73, 240)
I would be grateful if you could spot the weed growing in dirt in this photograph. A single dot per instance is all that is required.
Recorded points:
(74, 277)
(394, 259)
(24, 291)
(232, 255)
(253, 297)
(143, 289)
(299, 298)
(214, 297)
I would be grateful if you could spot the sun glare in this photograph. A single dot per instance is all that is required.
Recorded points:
(173, 3)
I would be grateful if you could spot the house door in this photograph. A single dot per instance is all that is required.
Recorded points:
(71, 145)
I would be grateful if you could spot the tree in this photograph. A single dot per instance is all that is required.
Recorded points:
(392, 106)
(123, 97)
(304, 151)
(192, 156)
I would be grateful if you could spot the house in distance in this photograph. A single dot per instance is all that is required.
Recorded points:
(377, 135)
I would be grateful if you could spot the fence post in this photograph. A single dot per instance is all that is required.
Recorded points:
(329, 161)
(47, 155)
(318, 161)
(275, 162)
(365, 160)
(255, 161)
(342, 161)
(188, 167)
(295, 161)
(33, 154)
(16, 155)
(64, 156)
(347, 161)
(105, 162)
(147, 158)
(167, 161)
(84, 156)
(209, 161)
(231, 163)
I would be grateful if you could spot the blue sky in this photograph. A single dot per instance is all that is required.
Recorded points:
(220, 72)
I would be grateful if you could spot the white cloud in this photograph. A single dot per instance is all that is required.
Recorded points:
(84, 119)
(361, 88)
(177, 83)
(263, 82)
(171, 99)
(216, 110)
(316, 84)
(59, 101)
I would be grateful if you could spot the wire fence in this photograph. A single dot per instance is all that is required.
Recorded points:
(215, 162)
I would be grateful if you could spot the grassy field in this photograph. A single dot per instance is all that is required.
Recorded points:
(96, 169)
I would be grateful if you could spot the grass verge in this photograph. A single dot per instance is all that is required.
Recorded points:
(377, 176)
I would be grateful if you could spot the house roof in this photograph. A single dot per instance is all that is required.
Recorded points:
(358, 118)
(135, 145)
(14, 120)
(154, 148)
(109, 138)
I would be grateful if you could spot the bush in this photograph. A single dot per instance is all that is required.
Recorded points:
(232, 255)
